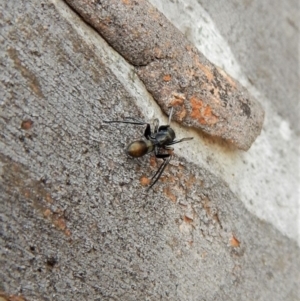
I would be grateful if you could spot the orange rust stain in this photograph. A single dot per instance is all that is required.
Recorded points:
(49, 198)
(182, 113)
(47, 213)
(188, 48)
(176, 101)
(229, 79)
(202, 113)
(16, 298)
(168, 179)
(26, 124)
(164, 179)
(181, 167)
(60, 223)
(190, 181)
(144, 181)
(234, 242)
(158, 52)
(154, 13)
(126, 2)
(153, 162)
(67, 232)
(6, 297)
(57, 220)
(27, 193)
(167, 77)
(187, 219)
(205, 69)
(170, 195)
(33, 82)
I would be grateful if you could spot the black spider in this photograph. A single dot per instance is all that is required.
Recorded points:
(160, 139)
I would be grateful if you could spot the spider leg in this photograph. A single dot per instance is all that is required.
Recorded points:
(147, 132)
(181, 140)
(156, 125)
(157, 175)
(124, 121)
(170, 115)
(135, 119)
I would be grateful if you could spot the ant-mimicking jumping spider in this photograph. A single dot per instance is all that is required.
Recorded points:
(160, 139)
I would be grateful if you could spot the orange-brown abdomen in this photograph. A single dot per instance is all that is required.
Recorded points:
(139, 148)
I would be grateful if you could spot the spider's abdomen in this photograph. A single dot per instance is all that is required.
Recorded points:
(139, 148)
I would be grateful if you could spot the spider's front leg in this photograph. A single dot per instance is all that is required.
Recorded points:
(147, 132)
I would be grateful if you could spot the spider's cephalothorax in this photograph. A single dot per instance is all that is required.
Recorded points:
(159, 140)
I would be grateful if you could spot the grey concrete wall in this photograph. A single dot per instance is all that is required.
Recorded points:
(257, 43)
(76, 220)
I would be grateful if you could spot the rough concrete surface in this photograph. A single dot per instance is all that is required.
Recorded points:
(264, 37)
(266, 178)
(76, 220)
(174, 71)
